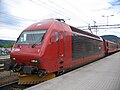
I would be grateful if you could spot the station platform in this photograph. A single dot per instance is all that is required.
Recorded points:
(103, 74)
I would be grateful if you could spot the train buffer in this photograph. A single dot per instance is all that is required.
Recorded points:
(103, 74)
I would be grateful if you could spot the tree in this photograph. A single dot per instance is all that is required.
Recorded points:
(8, 45)
(1, 45)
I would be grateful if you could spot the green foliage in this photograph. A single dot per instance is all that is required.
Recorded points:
(1, 45)
(8, 45)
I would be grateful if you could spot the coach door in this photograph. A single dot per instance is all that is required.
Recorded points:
(61, 49)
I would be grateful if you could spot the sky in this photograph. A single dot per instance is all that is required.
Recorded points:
(16, 15)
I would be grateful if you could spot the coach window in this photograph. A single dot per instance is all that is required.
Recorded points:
(56, 34)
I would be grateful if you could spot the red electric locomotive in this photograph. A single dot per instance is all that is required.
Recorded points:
(51, 46)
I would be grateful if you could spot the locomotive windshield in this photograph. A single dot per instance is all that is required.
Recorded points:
(31, 37)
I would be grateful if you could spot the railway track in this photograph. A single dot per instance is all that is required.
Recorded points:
(13, 86)
(7, 78)
(8, 86)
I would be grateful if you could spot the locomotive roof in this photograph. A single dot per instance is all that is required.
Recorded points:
(45, 24)
(42, 24)
(83, 32)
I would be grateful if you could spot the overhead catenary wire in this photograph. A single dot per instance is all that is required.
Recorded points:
(58, 11)
(68, 12)
(56, 8)
(100, 25)
(42, 5)
(61, 10)
(51, 8)
(116, 26)
(79, 11)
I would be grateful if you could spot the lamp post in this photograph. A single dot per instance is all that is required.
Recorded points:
(107, 17)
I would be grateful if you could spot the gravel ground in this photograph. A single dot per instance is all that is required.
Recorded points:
(7, 77)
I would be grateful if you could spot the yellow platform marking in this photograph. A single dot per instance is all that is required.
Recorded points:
(34, 79)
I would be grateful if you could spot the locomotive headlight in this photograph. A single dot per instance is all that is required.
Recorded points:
(12, 58)
(36, 61)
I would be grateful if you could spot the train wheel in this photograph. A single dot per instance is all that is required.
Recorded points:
(41, 73)
(60, 72)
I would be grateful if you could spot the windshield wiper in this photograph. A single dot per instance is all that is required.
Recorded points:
(40, 39)
(33, 45)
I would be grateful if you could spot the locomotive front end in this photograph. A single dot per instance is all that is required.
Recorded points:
(35, 52)
(25, 54)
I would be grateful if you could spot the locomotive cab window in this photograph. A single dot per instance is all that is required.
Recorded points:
(31, 37)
